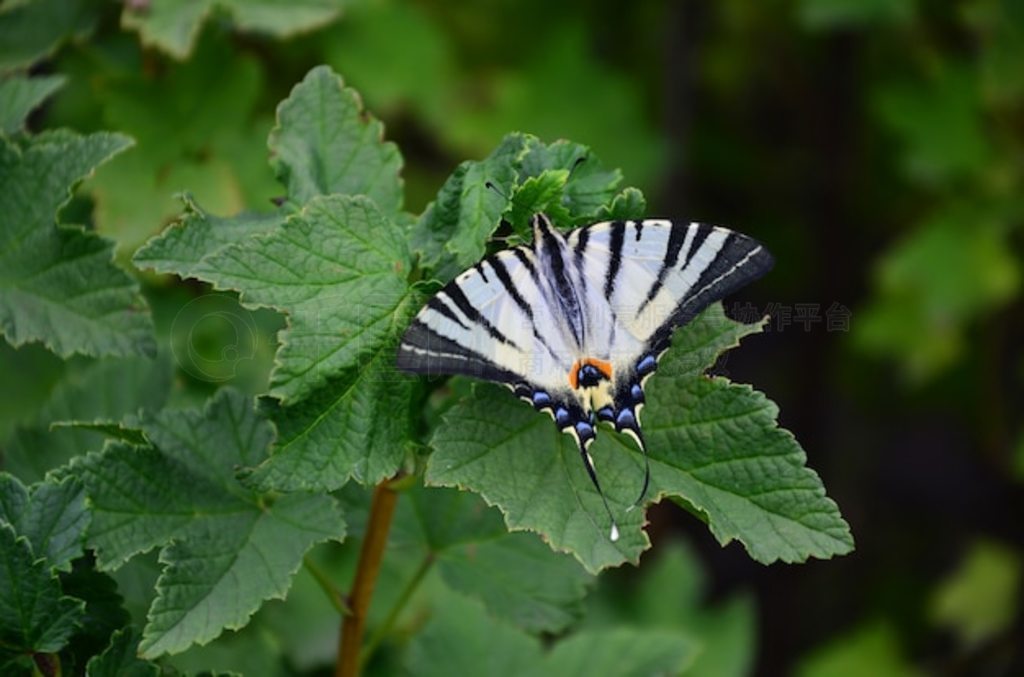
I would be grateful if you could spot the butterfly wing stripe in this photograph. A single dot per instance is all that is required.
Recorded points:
(440, 306)
(615, 262)
(454, 292)
(679, 239)
(424, 351)
(501, 272)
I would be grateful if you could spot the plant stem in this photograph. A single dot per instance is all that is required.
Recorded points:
(382, 508)
(403, 599)
(333, 594)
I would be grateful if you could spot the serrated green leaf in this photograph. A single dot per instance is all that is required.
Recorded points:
(325, 143)
(453, 230)
(32, 29)
(338, 250)
(539, 194)
(173, 25)
(461, 638)
(629, 204)
(183, 248)
(51, 515)
(355, 426)
(589, 187)
(711, 442)
(229, 547)
(117, 430)
(34, 615)
(59, 285)
(119, 659)
(20, 95)
(515, 575)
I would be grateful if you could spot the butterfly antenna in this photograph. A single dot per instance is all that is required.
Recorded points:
(580, 160)
(490, 186)
(588, 462)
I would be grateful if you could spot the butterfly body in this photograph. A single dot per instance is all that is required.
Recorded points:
(575, 323)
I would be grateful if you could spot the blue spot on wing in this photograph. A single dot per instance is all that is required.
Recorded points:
(646, 365)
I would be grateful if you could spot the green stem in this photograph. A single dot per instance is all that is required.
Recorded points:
(327, 585)
(384, 628)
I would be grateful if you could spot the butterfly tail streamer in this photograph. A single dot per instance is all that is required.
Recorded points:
(589, 463)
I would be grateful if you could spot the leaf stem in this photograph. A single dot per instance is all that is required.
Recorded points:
(382, 508)
(333, 594)
(378, 635)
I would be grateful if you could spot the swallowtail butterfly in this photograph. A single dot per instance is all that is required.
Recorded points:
(576, 322)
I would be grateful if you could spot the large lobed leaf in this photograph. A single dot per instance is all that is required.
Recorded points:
(713, 444)
(59, 285)
(325, 143)
(226, 548)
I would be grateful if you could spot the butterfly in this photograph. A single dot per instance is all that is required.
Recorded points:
(576, 322)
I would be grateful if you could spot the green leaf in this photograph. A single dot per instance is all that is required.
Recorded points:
(629, 204)
(104, 389)
(58, 284)
(872, 648)
(979, 600)
(539, 194)
(461, 638)
(33, 29)
(818, 15)
(515, 575)
(119, 659)
(999, 29)
(229, 548)
(197, 126)
(51, 515)
(20, 95)
(589, 187)
(939, 122)
(173, 25)
(325, 143)
(34, 616)
(955, 267)
(104, 610)
(620, 652)
(452, 232)
(713, 443)
(184, 248)
(669, 595)
(336, 250)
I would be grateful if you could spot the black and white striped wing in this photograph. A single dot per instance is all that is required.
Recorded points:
(489, 323)
(657, 275)
(650, 277)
